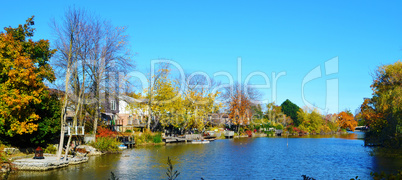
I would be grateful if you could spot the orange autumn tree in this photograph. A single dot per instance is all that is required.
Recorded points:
(346, 120)
(23, 68)
(239, 102)
(373, 119)
(240, 109)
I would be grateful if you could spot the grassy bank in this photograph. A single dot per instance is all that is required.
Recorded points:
(106, 144)
(148, 138)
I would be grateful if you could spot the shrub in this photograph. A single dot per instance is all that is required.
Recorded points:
(139, 139)
(279, 126)
(105, 132)
(157, 138)
(128, 131)
(106, 144)
(147, 136)
(249, 133)
(51, 149)
(270, 133)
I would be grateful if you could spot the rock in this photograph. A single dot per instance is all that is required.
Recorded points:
(91, 151)
(5, 167)
(11, 150)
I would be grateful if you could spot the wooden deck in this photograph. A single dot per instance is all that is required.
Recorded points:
(183, 138)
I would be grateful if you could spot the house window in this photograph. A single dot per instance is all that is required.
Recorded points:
(113, 105)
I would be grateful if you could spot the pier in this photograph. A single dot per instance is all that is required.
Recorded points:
(127, 141)
(183, 138)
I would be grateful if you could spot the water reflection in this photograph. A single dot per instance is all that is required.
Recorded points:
(321, 157)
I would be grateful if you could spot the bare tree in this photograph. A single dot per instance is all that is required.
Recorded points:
(88, 47)
(67, 57)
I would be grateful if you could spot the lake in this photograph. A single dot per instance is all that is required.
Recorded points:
(320, 157)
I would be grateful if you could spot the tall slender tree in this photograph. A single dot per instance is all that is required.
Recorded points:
(90, 50)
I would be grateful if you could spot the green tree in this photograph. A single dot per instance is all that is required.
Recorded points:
(310, 120)
(291, 109)
(23, 69)
(384, 111)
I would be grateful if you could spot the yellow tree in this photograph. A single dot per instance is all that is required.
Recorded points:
(387, 99)
(23, 68)
(383, 112)
(199, 103)
(164, 100)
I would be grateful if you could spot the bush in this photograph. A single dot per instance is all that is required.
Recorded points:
(105, 132)
(270, 133)
(148, 137)
(139, 139)
(157, 138)
(128, 131)
(106, 144)
(51, 149)
(279, 126)
(249, 133)
(222, 136)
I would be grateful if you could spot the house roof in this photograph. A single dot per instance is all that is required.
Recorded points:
(132, 100)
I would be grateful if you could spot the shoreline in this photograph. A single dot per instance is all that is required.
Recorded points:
(27, 163)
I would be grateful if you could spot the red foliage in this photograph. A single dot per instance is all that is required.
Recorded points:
(105, 132)
(249, 133)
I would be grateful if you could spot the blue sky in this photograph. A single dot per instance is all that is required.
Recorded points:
(270, 37)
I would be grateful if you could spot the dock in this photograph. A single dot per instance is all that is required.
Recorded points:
(127, 141)
(183, 138)
(229, 134)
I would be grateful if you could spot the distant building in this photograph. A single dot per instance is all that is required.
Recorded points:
(119, 117)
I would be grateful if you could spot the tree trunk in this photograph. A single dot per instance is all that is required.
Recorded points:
(77, 110)
(96, 118)
(61, 142)
(97, 110)
(64, 113)
(149, 117)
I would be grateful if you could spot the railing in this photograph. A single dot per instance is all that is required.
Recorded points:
(229, 133)
(75, 130)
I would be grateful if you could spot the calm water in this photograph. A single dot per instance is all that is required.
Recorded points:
(321, 157)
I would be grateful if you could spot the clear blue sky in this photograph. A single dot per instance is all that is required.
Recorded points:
(270, 36)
